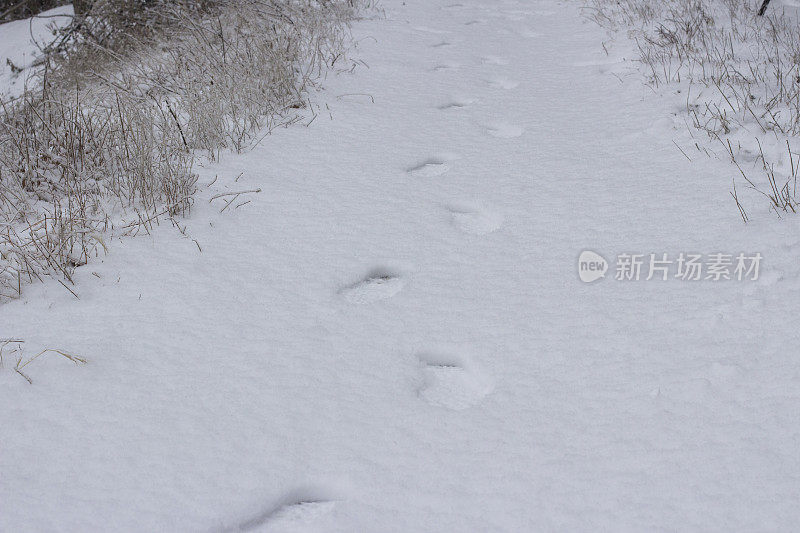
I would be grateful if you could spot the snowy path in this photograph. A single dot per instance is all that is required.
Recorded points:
(393, 331)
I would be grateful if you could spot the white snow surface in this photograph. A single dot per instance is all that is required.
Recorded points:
(392, 336)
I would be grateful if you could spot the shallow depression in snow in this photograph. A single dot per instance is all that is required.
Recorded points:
(299, 511)
(474, 218)
(452, 381)
(430, 168)
(379, 284)
(504, 130)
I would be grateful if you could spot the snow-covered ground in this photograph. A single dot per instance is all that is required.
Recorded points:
(392, 335)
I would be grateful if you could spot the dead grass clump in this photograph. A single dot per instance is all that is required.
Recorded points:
(125, 104)
(740, 73)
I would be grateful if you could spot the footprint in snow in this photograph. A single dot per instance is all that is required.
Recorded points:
(502, 83)
(298, 511)
(494, 60)
(378, 284)
(452, 381)
(527, 12)
(457, 103)
(435, 31)
(446, 66)
(513, 17)
(429, 168)
(504, 130)
(473, 218)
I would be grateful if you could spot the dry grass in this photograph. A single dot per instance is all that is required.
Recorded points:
(14, 347)
(106, 144)
(740, 74)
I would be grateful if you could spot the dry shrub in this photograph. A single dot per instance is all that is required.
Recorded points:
(127, 101)
(16, 9)
(740, 73)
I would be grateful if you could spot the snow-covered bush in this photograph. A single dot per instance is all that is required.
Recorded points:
(107, 141)
(740, 73)
(16, 9)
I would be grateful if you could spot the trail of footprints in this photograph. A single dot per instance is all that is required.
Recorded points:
(447, 379)
(450, 379)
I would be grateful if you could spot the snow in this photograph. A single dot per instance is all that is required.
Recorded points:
(392, 335)
(21, 42)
